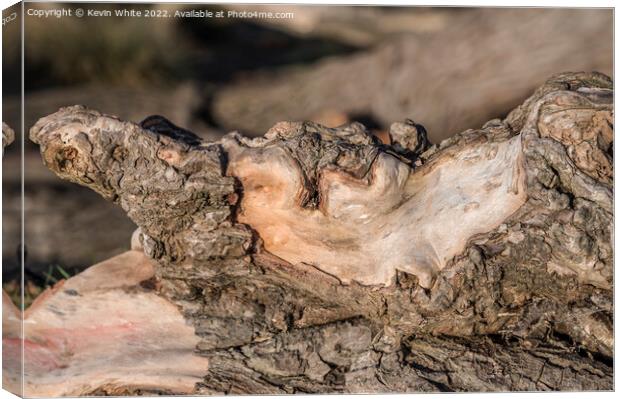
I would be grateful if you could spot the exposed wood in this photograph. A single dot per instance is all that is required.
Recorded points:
(372, 213)
(508, 287)
(102, 332)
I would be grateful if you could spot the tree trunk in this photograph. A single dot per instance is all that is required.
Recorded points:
(320, 260)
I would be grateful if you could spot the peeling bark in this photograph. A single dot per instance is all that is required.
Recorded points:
(320, 260)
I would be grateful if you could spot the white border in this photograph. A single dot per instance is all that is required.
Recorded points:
(478, 3)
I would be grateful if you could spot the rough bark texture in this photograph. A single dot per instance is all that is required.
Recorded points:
(524, 305)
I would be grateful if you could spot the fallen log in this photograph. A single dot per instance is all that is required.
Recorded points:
(320, 260)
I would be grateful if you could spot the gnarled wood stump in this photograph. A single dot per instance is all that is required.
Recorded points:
(319, 260)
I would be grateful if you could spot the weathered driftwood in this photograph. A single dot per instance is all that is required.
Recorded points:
(482, 65)
(318, 260)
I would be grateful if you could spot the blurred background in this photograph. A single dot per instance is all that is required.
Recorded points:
(449, 69)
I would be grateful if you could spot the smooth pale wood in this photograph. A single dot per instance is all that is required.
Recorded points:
(100, 331)
(414, 220)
